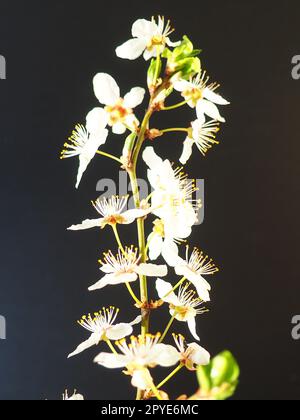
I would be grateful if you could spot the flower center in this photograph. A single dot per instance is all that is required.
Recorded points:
(156, 41)
(159, 228)
(114, 219)
(193, 94)
(117, 113)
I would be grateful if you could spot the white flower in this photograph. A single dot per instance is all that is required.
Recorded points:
(119, 111)
(165, 238)
(74, 397)
(142, 353)
(112, 214)
(185, 307)
(149, 38)
(191, 355)
(172, 198)
(126, 268)
(203, 135)
(193, 268)
(102, 327)
(85, 141)
(199, 94)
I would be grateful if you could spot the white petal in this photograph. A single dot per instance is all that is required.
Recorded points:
(142, 379)
(118, 128)
(210, 109)
(134, 98)
(165, 355)
(172, 44)
(87, 224)
(199, 356)
(96, 120)
(187, 150)
(143, 28)
(165, 292)
(119, 331)
(192, 326)
(152, 270)
(89, 152)
(106, 89)
(131, 215)
(113, 279)
(76, 397)
(155, 246)
(201, 285)
(182, 85)
(151, 158)
(214, 97)
(112, 361)
(131, 49)
(170, 253)
(150, 54)
(92, 341)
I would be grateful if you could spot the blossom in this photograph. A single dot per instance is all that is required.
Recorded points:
(198, 93)
(125, 267)
(102, 327)
(172, 198)
(85, 141)
(191, 355)
(184, 307)
(193, 268)
(149, 38)
(142, 353)
(112, 212)
(203, 135)
(165, 238)
(119, 111)
(74, 397)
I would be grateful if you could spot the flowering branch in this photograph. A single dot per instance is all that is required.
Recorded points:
(174, 66)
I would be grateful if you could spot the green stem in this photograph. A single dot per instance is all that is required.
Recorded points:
(169, 108)
(167, 328)
(109, 343)
(99, 152)
(170, 376)
(170, 130)
(175, 287)
(156, 392)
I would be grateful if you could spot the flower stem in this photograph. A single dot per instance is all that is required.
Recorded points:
(156, 392)
(110, 345)
(170, 130)
(167, 328)
(169, 108)
(99, 152)
(170, 376)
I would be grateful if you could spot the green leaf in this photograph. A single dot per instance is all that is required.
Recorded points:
(219, 379)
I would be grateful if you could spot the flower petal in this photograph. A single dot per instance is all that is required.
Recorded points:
(210, 109)
(106, 89)
(92, 341)
(119, 331)
(170, 252)
(142, 379)
(131, 215)
(151, 158)
(96, 120)
(192, 327)
(87, 224)
(214, 97)
(155, 246)
(201, 285)
(165, 292)
(143, 28)
(152, 270)
(113, 279)
(118, 128)
(199, 356)
(165, 355)
(112, 361)
(187, 150)
(132, 49)
(134, 98)
(182, 85)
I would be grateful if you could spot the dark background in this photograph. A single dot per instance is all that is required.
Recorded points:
(251, 228)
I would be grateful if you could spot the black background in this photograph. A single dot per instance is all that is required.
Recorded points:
(251, 228)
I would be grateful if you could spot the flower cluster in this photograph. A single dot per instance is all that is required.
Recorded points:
(170, 209)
